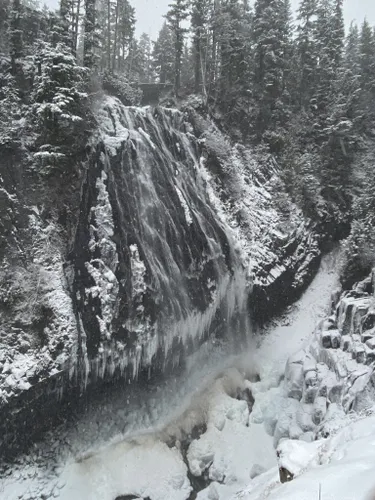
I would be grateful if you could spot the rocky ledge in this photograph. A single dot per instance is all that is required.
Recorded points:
(334, 374)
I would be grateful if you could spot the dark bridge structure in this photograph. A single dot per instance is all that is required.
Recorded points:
(153, 92)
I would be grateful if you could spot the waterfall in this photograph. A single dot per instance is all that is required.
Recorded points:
(156, 270)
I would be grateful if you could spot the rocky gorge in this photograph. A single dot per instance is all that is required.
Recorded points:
(164, 245)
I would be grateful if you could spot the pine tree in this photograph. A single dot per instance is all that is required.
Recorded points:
(66, 21)
(145, 62)
(16, 48)
(233, 37)
(338, 33)
(58, 107)
(306, 51)
(177, 14)
(163, 57)
(201, 11)
(4, 14)
(271, 38)
(337, 93)
(90, 41)
(187, 70)
(10, 107)
(367, 57)
(352, 52)
(325, 71)
(126, 32)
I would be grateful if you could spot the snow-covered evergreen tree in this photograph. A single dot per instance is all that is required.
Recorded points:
(16, 49)
(307, 57)
(271, 37)
(58, 109)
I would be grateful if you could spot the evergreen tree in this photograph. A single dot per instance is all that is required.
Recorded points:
(90, 41)
(177, 14)
(163, 56)
(10, 107)
(307, 57)
(271, 37)
(15, 35)
(367, 57)
(145, 62)
(58, 109)
(325, 71)
(338, 33)
(187, 70)
(234, 43)
(126, 32)
(201, 11)
(66, 21)
(5, 7)
(352, 51)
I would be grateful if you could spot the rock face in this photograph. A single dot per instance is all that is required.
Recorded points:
(334, 374)
(164, 238)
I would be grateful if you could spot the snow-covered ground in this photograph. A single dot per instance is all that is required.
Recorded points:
(341, 467)
(221, 439)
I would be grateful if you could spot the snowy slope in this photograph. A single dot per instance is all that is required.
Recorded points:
(216, 435)
(341, 467)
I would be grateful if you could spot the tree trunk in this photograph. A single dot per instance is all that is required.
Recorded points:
(198, 61)
(109, 34)
(115, 39)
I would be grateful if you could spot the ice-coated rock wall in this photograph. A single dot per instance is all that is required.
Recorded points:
(166, 236)
(154, 266)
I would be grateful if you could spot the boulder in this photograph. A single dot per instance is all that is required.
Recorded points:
(310, 394)
(370, 355)
(311, 378)
(346, 343)
(335, 393)
(295, 380)
(335, 339)
(320, 410)
(368, 322)
(326, 339)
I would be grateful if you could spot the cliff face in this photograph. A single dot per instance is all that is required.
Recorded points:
(166, 235)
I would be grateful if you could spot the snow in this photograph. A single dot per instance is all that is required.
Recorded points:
(231, 446)
(185, 206)
(138, 272)
(342, 467)
(234, 446)
(146, 468)
(294, 332)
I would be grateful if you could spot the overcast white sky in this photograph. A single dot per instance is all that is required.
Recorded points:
(150, 12)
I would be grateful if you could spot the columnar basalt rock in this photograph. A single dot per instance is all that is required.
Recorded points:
(338, 365)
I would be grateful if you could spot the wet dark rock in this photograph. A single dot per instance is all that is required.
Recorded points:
(285, 475)
(247, 396)
(326, 340)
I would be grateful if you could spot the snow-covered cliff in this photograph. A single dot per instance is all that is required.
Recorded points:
(173, 235)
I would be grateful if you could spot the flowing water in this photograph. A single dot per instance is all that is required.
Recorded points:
(156, 269)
